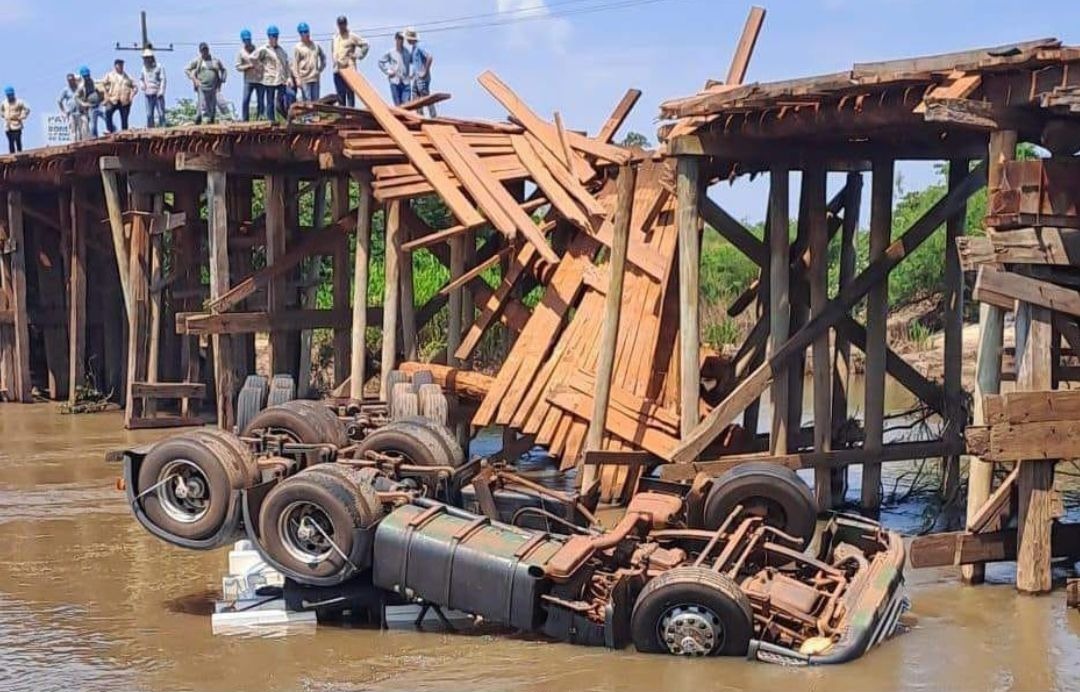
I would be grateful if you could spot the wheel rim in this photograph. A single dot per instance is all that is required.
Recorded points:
(307, 532)
(770, 511)
(290, 435)
(184, 493)
(691, 630)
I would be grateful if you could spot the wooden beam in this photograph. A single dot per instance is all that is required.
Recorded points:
(733, 231)
(496, 304)
(169, 390)
(391, 295)
(618, 116)
(76, 293)
(139, 308)
(14, 268)
(460, 207)
(814, 179)
(1004, 289)
(745, 49)
(341, 281)
(1039, 245)
(609, 337)
(953, 299)
(960, 548)
(358, 367)
(257, 322)
(877, 307)
(276, 261)
(779, 299)
(111, 187)
(218, 227)
(688, 227)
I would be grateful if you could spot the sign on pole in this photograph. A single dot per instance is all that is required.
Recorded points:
(56, 129)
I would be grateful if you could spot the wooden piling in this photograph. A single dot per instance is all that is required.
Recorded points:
(688, 225)
(407, 297)
(955, 415)
(842, 366)
(779, 300)
(139, 306)
(358, 367)
(14, 268)
(217, 216)
(277, 287)
(77, 228)
(342, 342)
(877, 313)
(814, 177)
(454, 315)
(391, 296)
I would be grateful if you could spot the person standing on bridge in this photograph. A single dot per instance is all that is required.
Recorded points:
(395, 65)
(153, 86)
(208, 75)
(277, 73)
(14, 112)
(347, 49)
(249, 63)
(420, 62)
(119, 93)
(89, 99)
(309, 61)
(69, 106)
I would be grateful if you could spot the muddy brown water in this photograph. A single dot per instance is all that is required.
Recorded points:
(90, 601)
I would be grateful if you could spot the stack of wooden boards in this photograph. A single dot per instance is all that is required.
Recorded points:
(545, 387)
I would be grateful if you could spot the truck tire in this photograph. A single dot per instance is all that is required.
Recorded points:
(775, 493)
(303, 422)
(203, 474)
(692, 611)
(293, 509)
(450, 444)
(433, 403)
(250, 400)
(282, 389)
(415, 444)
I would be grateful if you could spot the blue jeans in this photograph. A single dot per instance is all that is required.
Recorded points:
(273, 95)
(155, 102)
(345, 95)
(422, 87)
(309, 91)
(400, 93)
(260, 101)
(93, 115)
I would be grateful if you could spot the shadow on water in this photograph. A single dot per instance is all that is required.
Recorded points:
(90, 601)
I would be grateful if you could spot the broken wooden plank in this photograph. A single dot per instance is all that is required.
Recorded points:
(1004, 289)
(492, 307)
(560, 198)
(619, 115)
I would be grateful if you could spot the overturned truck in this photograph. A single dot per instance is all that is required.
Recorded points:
(340, 498)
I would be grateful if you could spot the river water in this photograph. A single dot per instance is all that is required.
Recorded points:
(90, 601)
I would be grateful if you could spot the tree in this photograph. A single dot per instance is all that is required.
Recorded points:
(185, 110)
(635, 140)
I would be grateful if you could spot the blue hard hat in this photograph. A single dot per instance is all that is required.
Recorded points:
(84, 71)
(273, 31)
(245, 35)
(9, 90)
(303, 28)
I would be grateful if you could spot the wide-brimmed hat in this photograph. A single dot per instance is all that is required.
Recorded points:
(410, 34)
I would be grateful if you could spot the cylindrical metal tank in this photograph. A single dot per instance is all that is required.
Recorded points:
(455, 559)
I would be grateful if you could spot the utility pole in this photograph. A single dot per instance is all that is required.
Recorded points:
(145, 39)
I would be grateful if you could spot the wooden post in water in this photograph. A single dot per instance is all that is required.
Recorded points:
(688, 225)
(77, 228)
(814, 179)
(609, 335)
(877, 314)
(277, 287)
(342, 341)
(139, 313)
(842, 355)
(407, 297)
(955, 417)
(311, 292)
(358, 367)
(14, 278)
(218, 218)
(186, 254)
(779, 299)
(987, 359)
(454, 314)
(391, 296)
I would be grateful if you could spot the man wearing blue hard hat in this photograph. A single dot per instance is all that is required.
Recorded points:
(277, 73)
(249, 64)
(14, 112)
(309, 61)
(88, 97)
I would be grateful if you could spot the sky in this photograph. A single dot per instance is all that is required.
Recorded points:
(574, 56)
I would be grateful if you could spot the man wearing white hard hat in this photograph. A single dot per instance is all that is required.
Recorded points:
(420, 62)
(153, 87)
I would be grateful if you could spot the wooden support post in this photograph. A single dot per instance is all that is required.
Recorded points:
(311, 292)
(186, 255)
(240, 195)
(277, 288)
(814, 176)
(688, 224)
(77, 228)
(391, 296)
(408, 297)
(988, 358)
(357, 369)
(955, 415)
(218, 217)
(877, 312)
(454, 315)
(14, 270)
(609, 336)
(1035, 483)
(842, 357)
(800, 315)
(153, 356)
(342, 342)
(779, 300)
(111, 186)
(139, 306)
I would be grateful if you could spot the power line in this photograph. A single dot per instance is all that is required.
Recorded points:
(488, 20)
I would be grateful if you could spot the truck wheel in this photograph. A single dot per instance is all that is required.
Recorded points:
(421, 378)
(282, 389)
(433, 403)
(454, 452)
(197, 477)
(692, 611)
(775, 493)
(403, 401)
(414, 444)
(250, 400)
(303, 422)
(308, 521)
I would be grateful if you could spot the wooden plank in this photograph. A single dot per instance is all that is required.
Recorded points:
(139, 308)
(1003, 289)
(169, 390)
(959, 548)
(567, 207)
(459, 206)
(564, 143)
(545, 131)
(218, 226)
(565, 178)
(474, 273)
(1025, 441)
(877, 304)
(341, 283)
(953, 328)
(1032, 407)
(15, 280)
(779, 299)
(988, 516)
(688, 223)
(617, 423)
(76, 293)
(745, 49)
(733, 231)
(813, 179)
(609, 337)
(391, 295)
(111, 187)
(1040, 245)
(493, 307)
(358, 366)
(618, 116)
